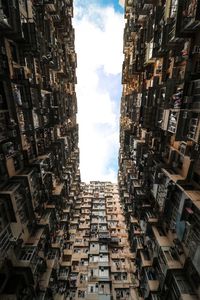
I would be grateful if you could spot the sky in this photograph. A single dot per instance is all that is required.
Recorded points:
(99, 28)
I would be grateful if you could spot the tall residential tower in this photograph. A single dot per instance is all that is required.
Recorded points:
(39, 155)
(159, 162)
(60, 238)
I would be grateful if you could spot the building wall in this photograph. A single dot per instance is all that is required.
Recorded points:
(39, 155)
(159, 179)
(102, 264)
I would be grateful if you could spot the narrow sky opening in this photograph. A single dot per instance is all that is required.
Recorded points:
(99, 46)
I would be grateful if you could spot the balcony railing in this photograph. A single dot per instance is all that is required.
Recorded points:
(190, 16)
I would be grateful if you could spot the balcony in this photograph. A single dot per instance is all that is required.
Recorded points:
(136, 229)
(31, 42)
(120, 276)
(180, 168)
(169, 259)
(17, 195)
(166, 257)
(194, 127)
(46, 280)
(12, 159)
(99, 274)
(191, 234)
(104, 237)
(28, 258)
(150, 216)
(177, 124)
(36, 238)
(149, 282)
(178, 285)
(46, 218)
(53, 256)
(163, 41)
(159, 240)
(193, 93)
(99, 291)
(146, 257)
(82, 280)
(152, 279)
(138, 243)
(124, 293)
(6, 240)
(190, 17)
(9, 19)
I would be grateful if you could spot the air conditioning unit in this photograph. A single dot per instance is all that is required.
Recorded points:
(13, 240)
(196, 49)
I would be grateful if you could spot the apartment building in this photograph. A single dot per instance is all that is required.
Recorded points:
(98, 255)
(159, 156)
(39, 155)
(62, 239)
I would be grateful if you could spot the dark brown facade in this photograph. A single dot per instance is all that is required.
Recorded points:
(159, 163)
(39, 155)
(62, 239)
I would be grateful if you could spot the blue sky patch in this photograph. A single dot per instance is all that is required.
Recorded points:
(99, 28)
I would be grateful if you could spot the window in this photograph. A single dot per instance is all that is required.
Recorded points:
(27, 253)
(5, 240)
(51, 255)
(14, 53)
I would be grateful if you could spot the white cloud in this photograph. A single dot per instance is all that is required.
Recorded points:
(98, 38)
